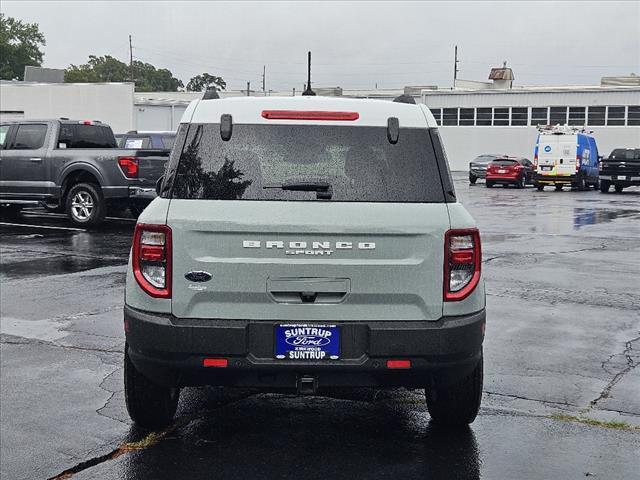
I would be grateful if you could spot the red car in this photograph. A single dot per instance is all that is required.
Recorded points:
(516, 171)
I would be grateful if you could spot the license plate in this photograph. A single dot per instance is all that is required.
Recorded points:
(546, 168)
(502, 171)
(620, 177)
(307, 342)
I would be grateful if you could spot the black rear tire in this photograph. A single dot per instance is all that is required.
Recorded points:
(540, 186)
(472, 179)
(489, 183)
(457, 404)
(596, 184)
(522, 182)
(558, 188)
(95, 208)
(618, 188)
(149, 405)
(604, 186)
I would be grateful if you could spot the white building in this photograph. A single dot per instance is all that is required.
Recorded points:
(503, 121)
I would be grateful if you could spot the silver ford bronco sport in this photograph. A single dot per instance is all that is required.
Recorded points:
(305, 243)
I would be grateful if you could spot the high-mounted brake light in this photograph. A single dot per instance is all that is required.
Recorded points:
(215, 362)
(462, 263)
(309, 115)
(151, 259)
(398, 364)
(129, 166)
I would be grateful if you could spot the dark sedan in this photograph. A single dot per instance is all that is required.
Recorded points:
(478, 167)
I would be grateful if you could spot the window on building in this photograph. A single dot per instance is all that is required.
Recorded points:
(501, 116)
(596, 116)
(450, 116)
(539, 116)
(615, 116)
(558, 115)
(633, 115)
(437, 113)
(577, 116)
(467, 116)
(483, 117)
(30, 136)
(519, 116)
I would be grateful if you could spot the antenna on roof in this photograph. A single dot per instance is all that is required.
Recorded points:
(308, 91)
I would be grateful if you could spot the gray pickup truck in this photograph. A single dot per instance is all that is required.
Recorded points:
(76, 167)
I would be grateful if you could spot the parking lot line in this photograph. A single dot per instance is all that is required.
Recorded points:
(42, 226)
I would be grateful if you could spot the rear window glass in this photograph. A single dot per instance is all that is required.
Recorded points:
(30, 136)
(358, 163)
(504, 163)
(86, 136)
(625, 154)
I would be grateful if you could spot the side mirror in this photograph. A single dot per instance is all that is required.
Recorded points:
(159, 185)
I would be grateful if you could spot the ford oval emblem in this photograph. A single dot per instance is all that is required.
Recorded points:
(308, 341)
(198, 276)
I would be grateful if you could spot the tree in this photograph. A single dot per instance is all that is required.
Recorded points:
(19, 47)
(147, 78)
(202, 82)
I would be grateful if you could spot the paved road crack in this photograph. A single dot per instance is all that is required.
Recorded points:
(630, 365)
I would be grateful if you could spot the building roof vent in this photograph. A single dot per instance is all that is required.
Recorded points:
(504, 73)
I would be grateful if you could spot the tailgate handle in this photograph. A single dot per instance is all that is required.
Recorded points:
(308, 290)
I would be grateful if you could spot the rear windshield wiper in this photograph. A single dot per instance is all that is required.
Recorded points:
(322, 189)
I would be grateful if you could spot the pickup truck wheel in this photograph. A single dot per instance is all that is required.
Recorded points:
(149, 405)
(604, 186)
(457, 404)
(85, 205)
(619, 188)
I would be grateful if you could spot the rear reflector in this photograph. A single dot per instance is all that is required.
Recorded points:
(398, 364)
(215, 362)
(309, 115)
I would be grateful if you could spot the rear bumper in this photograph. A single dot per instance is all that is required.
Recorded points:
(553, 179)
(170, 351)
(626, 180)
(503, 178)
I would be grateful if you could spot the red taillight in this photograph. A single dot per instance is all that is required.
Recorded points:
(129, 166)
(309, 115)
(578, 163)
(151, 259)
(462, 263)
(215, 362)
(398, 364)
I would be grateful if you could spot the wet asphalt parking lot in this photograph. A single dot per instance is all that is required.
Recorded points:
(562, 387)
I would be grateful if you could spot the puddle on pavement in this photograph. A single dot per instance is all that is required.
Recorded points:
(45, 330)
(55, 265)
(592, 216)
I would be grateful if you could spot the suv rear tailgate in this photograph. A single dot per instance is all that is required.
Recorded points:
(396, 274)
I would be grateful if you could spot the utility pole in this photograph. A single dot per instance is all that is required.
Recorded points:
(455, 67)
(308, 90)
(248, 88)
(130, 60)
(264, 73)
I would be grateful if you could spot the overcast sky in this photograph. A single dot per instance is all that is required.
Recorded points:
(354, 44)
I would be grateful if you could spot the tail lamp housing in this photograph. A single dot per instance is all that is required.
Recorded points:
(578, 159)
(129, 166)
(151, 259)
(462, 263)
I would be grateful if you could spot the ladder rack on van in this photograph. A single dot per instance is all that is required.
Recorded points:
(561, 129)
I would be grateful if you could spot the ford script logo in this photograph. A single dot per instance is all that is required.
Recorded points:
(307, 341)
(198, 276)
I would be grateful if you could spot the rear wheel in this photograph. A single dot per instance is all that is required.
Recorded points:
(472, 178)
(540, 186)
(558, 187)
(457, 404)
(604, 186)
(619, 188)
(596, 184)
(85, 204)
(522, 182)
(489, 183)
(581, 183)
(149, 405)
